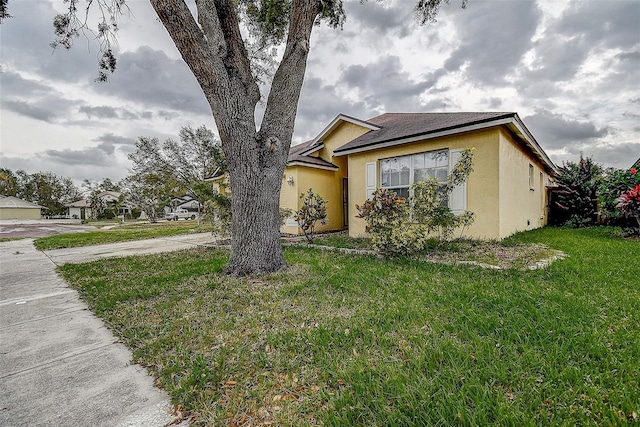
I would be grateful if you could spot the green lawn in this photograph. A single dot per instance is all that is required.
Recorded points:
(121, 233)
(352, 340)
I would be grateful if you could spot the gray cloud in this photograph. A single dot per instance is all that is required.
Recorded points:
(493, 38)
(612, 24)
(620, 155)
(396, 19)
(554, 131)
(13, 84)
(91, 156)
(29, 109)
(150, 77)
(102, 112)
(115, 139)
(384, 85)
(319, 104)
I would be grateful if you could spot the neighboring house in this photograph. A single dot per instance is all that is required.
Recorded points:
(220, 183)
(184, 202)
(351, 158)
(82, 208)
(15, 208)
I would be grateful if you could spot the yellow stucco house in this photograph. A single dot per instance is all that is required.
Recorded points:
(350, 158)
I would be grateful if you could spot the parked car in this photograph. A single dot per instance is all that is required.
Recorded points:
(179, 213)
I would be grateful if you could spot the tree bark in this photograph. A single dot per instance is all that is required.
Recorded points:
(216, 54)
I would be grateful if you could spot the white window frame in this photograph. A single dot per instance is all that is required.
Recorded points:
(411, 159)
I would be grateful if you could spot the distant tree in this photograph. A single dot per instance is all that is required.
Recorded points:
(108, 185)
(4, 13)
(576, 192)
(197, 155)
(222, 56)
(151, 183)
(175, 168)
(46, 189)
(8, 183)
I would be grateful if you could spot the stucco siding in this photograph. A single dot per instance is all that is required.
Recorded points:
(343, 133)
(20, 213)
(522, 200)
(482, 186)
(326, 183)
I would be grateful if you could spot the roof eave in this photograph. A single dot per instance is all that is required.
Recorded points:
(525, 135)
(343, 118)
(311, 165)
(426, 136)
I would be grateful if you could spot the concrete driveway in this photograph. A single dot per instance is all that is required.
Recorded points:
(42, 228)
(59, 364)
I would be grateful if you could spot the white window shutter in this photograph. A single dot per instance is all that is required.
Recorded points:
(371, 179)
(458, 197)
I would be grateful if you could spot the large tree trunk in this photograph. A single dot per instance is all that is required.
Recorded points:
(216, 54)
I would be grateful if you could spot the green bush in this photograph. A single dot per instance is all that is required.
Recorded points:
(614, 184)
(404, 227)
(314, 209)
(575, 198)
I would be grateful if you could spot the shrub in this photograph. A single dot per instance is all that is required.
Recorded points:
(576, 194)
(399, 227)
(615, 183)
(629, 203)
(285, 213)
(314, 209)
(387, 217)
(217, 211)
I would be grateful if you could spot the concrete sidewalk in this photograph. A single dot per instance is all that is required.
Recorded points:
(135, 247)
(59, 365)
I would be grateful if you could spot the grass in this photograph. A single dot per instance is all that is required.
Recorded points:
(121, 233)
(353, 340)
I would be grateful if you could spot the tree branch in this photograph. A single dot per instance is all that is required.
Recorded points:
(193, 46)
(279, 117)
(220, 23)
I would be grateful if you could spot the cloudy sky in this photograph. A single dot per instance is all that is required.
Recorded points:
(570, 69)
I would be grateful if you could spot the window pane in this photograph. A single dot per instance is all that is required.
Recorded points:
(441, 158)
(394, 165)
(385, 179)
(419, 175)
(418, 161)
(394, 178)
(405, 162)
(384, 166)
(441, 174)
(401, 192)
(404, 177)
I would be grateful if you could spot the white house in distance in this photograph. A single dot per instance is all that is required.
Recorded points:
(15, 208)
(81, 209)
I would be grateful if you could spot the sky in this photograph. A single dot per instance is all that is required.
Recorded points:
(570, 69)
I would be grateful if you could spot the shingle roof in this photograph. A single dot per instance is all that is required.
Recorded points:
(295, 156)
(396, 126)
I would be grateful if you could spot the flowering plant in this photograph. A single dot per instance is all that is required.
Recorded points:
(629, 201)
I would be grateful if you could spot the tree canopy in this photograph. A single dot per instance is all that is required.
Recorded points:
(173, 168)
(219, 42)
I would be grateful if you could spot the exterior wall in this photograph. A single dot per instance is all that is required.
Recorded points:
(289, 196)
(342, 134)
(326, 183)
(482, 186)
(522, 204)
(20, 213)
